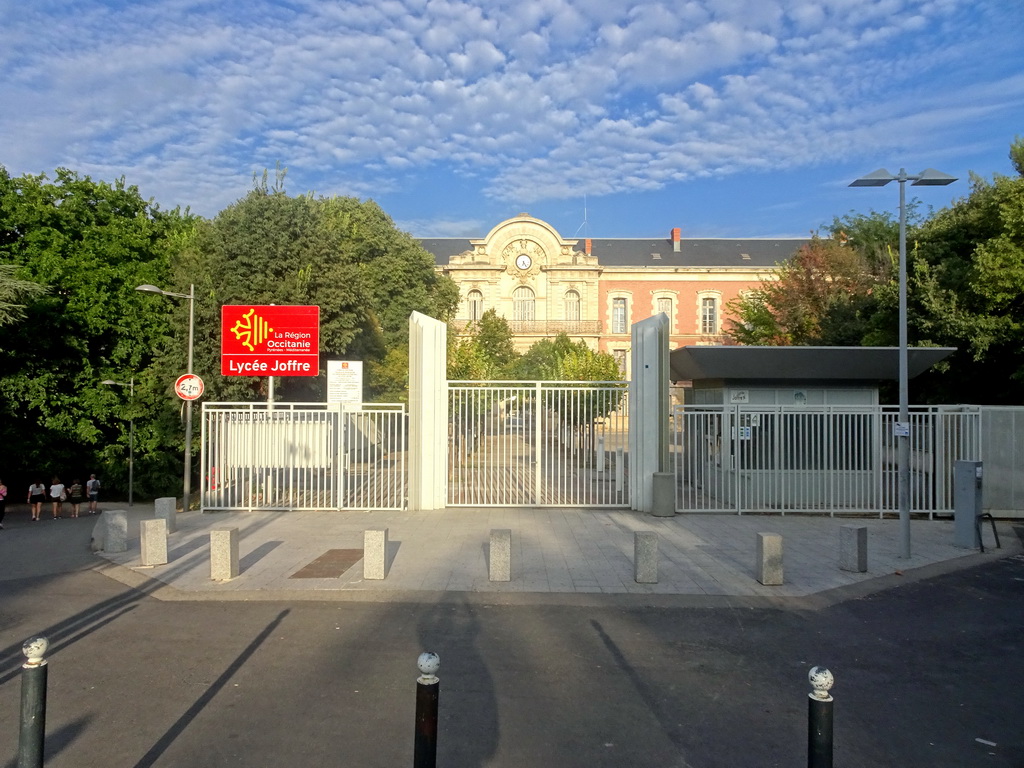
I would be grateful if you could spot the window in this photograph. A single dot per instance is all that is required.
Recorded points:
(619, 316)
(475, 300)
(709, 315)
(664, 304)
(572, 305)
(522, 304)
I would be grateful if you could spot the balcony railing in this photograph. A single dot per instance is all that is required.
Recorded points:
(544, 327)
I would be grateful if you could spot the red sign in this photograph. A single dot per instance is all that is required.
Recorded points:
(189, 386)
(269, 340)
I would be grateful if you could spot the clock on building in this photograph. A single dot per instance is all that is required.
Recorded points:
(523, 261)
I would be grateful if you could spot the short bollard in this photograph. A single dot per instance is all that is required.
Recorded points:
(33, 703)
(428, 686)
(819, 719)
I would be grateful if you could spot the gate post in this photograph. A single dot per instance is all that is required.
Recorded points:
(648, 409)
(428, 413)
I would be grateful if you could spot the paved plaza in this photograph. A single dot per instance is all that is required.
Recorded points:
(554, 551)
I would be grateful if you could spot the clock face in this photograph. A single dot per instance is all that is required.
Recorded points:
(523, 261)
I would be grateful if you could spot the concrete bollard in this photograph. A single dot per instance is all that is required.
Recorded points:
(819, 719)
(769, 559)
(375, 553)
(115, 530)
(153, 541)
(32, 735)
(167, 509)
(500, 559)
(645, 557)
(223, 554)
(428, 689)
(853, 548)
(663, 494)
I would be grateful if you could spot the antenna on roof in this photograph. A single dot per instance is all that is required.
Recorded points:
(583, 226)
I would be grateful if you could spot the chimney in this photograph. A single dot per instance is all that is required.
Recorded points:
(586, 246)
(676, 241)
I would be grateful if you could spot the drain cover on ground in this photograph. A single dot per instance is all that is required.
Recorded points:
(330, 565)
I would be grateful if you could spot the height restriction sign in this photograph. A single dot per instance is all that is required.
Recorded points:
(269, 340)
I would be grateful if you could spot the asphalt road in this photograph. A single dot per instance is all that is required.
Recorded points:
(922, 672)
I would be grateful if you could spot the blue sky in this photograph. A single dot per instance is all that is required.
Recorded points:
(727, 118)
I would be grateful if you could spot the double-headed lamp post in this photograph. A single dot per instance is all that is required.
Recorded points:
(926, 178)
(131, 432)
(191, 296)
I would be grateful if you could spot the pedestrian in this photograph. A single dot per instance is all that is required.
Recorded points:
(36, 497)
(57, 496)
(92, 487)
(76, 496)
(3, 503)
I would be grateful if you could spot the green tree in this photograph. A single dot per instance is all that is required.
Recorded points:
(90, 243)
(818, 296)
(338, 253)
(484, 350)
(966, 289)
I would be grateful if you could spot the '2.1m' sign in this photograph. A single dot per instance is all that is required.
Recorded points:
(269, 340)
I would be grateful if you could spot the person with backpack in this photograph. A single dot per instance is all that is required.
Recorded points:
(92, 488)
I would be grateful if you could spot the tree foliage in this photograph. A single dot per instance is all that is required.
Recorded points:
(817, 297)
(339, 253)
(89, 243)
(965, 287)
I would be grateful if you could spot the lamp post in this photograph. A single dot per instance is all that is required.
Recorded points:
(131, 432)
(191, 296)
(926, 178)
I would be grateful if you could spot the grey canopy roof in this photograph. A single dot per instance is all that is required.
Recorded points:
(800, 363)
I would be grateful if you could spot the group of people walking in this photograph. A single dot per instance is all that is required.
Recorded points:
(58, 494)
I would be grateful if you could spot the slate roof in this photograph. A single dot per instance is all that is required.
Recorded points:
(638, 252)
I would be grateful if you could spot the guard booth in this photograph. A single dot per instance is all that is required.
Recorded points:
(800, 428)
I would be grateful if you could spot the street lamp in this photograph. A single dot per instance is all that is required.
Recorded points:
(926, 178)
(191, 296)
(131, 432)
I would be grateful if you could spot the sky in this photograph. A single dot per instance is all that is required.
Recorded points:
(606, 118)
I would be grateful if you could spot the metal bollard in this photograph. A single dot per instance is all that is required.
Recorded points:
(819, 719)
(427, 689)
(33, 703)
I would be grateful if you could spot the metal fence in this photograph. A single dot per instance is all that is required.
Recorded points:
(537, 444)
(303, 456)
(829, 459)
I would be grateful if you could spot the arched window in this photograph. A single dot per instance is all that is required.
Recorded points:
(665, 306)
(572, 305)
(522, 304)
(475, 302)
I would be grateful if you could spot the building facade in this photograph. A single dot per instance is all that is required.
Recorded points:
(594, 289)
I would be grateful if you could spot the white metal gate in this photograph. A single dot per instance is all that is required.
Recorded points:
(537, 444)
(303, 456)
(755, 458)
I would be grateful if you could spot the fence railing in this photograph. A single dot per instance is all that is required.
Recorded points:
(821, 459)
(537, 443)
(303, 456)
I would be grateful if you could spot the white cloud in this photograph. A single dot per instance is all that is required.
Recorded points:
(535, 100)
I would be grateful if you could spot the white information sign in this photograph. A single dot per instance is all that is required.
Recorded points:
(901, 428)
(345, 382)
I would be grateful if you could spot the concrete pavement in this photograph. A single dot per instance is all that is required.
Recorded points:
(554, 551)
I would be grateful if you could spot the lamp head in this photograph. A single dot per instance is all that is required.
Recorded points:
(148, 289)
(929, 177)
(878, 178)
